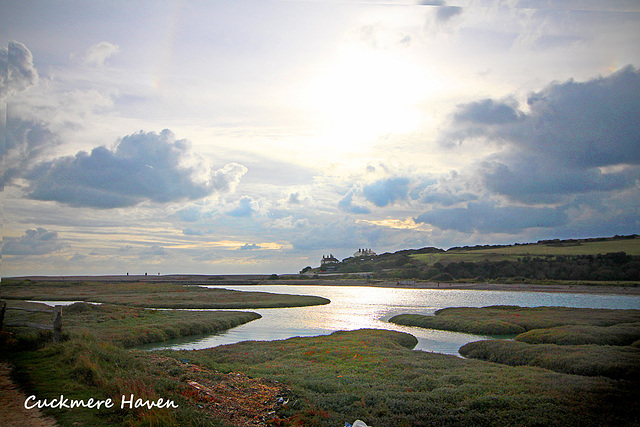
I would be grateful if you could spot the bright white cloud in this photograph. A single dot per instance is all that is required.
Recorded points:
(97, 54)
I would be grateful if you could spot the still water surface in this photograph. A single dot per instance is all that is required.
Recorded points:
(356, 307)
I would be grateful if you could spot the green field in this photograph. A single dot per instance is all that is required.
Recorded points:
(512, 253)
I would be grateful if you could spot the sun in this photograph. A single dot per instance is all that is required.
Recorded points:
(366, 94)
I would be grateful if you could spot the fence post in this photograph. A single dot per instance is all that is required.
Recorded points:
(3, 308)
(57, 323)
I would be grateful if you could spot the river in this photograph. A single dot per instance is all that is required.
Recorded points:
(356, 307)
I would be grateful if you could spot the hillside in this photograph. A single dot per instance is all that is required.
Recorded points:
(599, 259)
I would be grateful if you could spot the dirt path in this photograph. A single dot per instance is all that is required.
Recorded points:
(12, 410)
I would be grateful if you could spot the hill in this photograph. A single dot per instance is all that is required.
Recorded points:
(598, 259)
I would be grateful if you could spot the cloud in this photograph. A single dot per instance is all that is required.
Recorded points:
(341, 234)
(297, 198)
(226, 180)
(244, 209)
(26, 142)
(487, 217)
(445, 13)
(487, 112)
(288, 223)
(249, 247)
(97, 54)
(32, 242)
(153, 251)
(346, 205)
(387, 191)
(538, 179)
(189, 214)
(143, 166)
(17, 72)
(576, 137)
(433, 195)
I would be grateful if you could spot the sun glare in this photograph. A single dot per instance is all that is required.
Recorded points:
(366, 94)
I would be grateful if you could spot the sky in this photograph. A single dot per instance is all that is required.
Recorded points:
(219, 137)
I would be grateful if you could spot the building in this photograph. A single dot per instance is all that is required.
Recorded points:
(329, 263)
(364, 253)
(329, 260)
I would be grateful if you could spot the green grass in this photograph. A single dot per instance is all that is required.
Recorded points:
(150, 294)
(621, 334)
(127, 326)
(620, 362)
(93, 362)
(512, 253)
(374, 375)
(86, 368)
(569, 340)
(498, 320)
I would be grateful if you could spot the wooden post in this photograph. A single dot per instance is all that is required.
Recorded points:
(57, 323)
(3, 308)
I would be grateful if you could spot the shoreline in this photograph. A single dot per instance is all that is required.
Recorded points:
(513, 287)
(632, 288)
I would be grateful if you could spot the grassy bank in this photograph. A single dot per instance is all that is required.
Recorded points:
(149, 294)
(497, 320)
(374, 376)
(126, 326)
(570, 340)
(92, 361)
(620, 362)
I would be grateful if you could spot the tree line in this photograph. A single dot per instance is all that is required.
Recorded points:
(604, 267)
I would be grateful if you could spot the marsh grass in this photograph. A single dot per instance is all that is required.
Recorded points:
(127, 326)
(93, 362)
(150, 294)
(495, 320)
(577, 341)
(85, 368)
(621, 334)
(374, 375)
(621, 362)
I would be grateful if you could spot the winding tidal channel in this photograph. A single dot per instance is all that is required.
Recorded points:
(357, 307)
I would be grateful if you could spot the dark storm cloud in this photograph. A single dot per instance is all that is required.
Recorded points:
(487, 112)
(17, 71)
(436, 196)
(486, 217)
(143, 166)
(576, 137)
(32, 242)
(536, 179)
(387, 191)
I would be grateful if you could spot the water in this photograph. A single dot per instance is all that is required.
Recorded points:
(356, 307)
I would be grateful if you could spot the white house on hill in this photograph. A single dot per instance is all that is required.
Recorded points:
(329, 260)
(364, 252)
